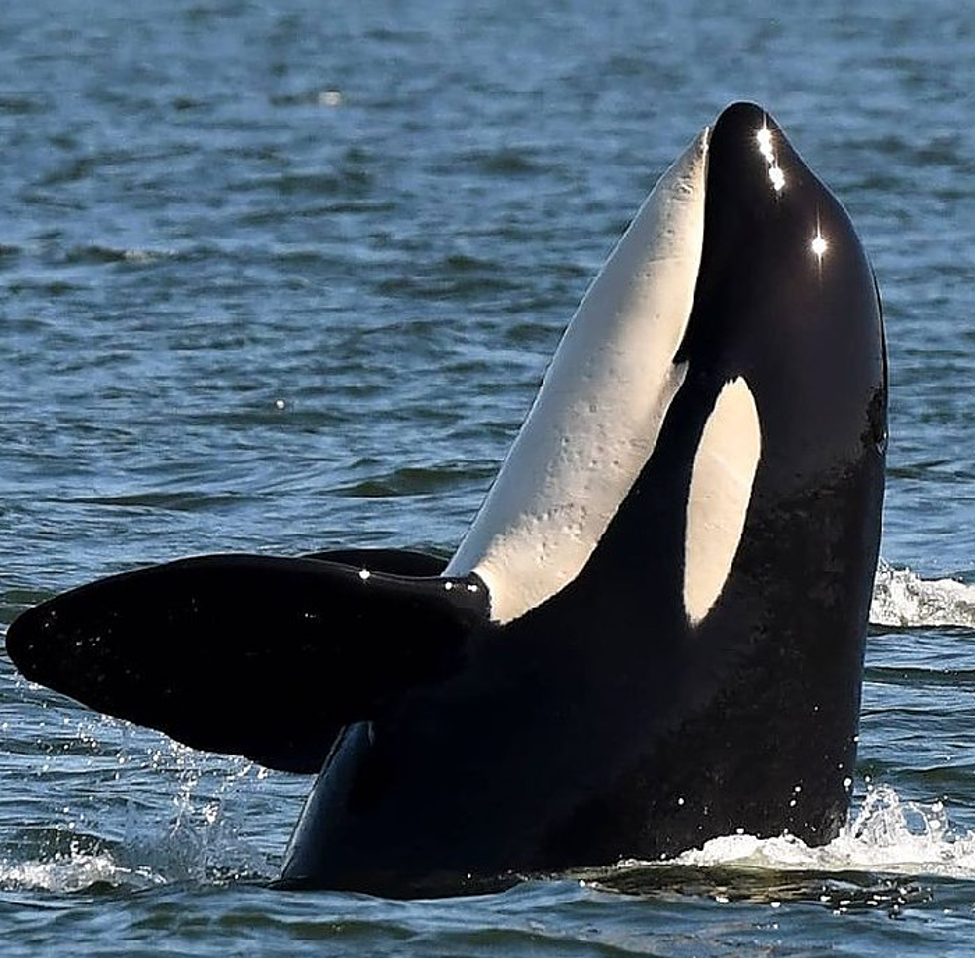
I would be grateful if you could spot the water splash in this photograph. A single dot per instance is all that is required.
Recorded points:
(902, 598)
(169, 818)
(198, 847)
(74, 871)
(199, 843)
(887, 858)
(885, 835)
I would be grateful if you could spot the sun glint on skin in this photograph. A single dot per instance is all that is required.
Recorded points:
(764, 139)
(766, 143)
(819, 245)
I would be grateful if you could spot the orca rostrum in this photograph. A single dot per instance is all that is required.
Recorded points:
(651, 635)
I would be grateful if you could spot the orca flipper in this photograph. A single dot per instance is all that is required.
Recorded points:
(253, 655)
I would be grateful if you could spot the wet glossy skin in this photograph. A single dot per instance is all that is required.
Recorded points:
(601, 725)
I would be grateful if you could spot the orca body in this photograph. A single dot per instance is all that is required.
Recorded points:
(651, 635)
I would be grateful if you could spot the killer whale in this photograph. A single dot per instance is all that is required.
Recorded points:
(652, 633)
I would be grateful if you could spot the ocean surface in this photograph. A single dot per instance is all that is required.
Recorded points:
(280, 275)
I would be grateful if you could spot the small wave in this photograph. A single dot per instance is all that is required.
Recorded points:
(902, 598)
(351, 179)
(97, 254)
(406, 481)
(885, 835)
(311, 97)
(174, 501)
(18, 103)
(452, 283)
(507, 161)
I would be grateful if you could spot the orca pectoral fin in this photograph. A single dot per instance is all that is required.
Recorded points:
(252, 655)
(395, 561)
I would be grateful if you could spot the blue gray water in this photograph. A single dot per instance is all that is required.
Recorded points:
(284, 275)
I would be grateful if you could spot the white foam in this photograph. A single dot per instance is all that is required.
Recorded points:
(74, 872)
(902, 598)
(884, 835)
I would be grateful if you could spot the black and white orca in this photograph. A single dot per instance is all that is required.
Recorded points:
(651, 635)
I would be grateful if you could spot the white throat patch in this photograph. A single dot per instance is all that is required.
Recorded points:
(719, 495)
(598, 413)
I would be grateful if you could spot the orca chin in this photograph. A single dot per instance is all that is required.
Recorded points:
(651, 635)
